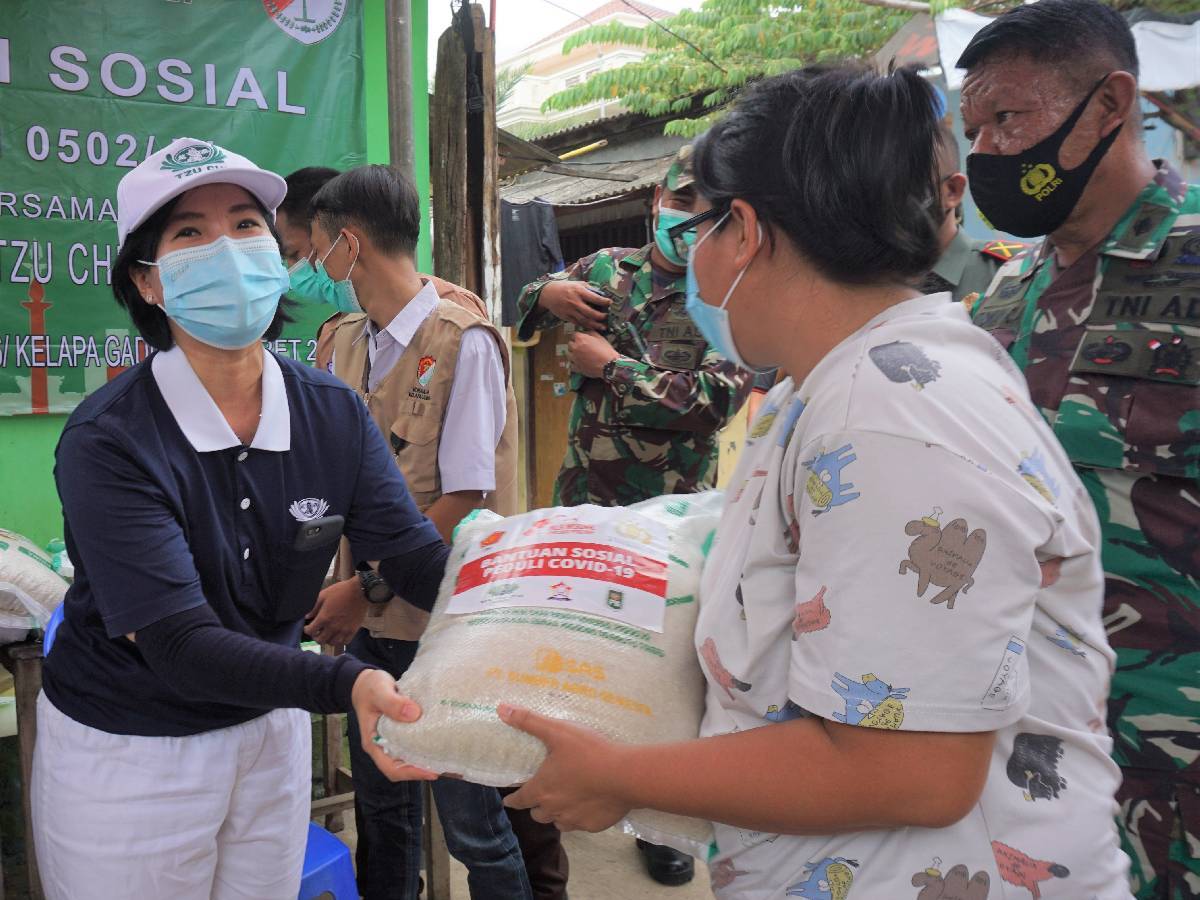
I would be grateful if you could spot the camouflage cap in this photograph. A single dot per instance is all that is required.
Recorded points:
(679, 175)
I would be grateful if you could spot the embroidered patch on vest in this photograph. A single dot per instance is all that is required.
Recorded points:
(1139, 233)
(425, 368)
(1005, 306)
(1004, 250)
(1136, 292)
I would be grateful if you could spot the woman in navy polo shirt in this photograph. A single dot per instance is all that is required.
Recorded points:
(201, 492)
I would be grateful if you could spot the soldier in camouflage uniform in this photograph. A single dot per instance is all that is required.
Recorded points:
(967, 265)
(1105, 321)
(650, 394)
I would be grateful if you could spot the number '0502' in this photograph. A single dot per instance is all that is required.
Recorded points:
(94, 147)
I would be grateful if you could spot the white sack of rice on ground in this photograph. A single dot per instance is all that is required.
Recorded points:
(30, 589)
(586, 614)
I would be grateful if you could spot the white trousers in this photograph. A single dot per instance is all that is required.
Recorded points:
(221, 815)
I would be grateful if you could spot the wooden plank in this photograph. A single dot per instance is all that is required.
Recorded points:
(329, 805)
(550, 413)
(448, 152)
(437, 857)
(26, 663)
(331, 758)
(488, 167)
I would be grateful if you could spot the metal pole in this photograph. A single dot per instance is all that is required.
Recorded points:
(400, 85)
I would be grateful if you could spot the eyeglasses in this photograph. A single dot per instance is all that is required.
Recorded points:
(678, 231)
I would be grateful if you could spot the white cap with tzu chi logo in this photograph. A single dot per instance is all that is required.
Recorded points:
(183, 164)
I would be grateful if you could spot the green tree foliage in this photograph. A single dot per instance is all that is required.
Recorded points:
(507, 81)
(741, 40)
(737, 41)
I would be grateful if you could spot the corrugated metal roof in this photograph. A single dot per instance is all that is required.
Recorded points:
(563, 190)
(641, 151)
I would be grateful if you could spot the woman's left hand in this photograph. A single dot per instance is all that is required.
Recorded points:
(578, 786)
(374, 694)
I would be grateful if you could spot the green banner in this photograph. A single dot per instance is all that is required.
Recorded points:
(89, 90)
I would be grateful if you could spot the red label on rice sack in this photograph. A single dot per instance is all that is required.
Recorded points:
(599, 562)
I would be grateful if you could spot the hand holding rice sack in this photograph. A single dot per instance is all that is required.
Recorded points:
(583, 615)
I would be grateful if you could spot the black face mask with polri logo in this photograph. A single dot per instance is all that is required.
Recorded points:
(1029, 193)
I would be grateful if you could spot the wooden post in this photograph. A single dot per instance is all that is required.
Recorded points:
(25, 661)
(331, 758)
(465, 162)
(437, 858)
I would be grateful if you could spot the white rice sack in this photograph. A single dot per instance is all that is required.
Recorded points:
(30, 589)
(584, 613)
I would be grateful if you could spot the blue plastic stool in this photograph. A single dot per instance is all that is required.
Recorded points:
(327, 867)
(51, 629)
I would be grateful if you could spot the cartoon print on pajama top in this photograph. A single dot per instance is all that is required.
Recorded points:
(825, 486)
(811, 615)
(720, 674)
(829, 879)
(723, 873)
(944, 557)
(870, 703)
(1033, 766)
(1068, 641)
(957, 884)
(1033, 469)
(1025, 871)
(903, 363)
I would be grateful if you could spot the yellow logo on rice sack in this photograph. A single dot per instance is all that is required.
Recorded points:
(634, 531)
(1039, 181)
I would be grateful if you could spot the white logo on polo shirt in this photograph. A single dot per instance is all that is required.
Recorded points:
(308, 509)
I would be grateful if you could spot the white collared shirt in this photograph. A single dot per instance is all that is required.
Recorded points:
(476, 410)
(197, 414)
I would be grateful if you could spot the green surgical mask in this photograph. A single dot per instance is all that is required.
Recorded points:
(310, 286)
(676, 251)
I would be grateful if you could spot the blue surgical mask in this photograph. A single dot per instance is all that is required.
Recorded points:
(713, 321)
(674, 250)
(344, 297)
(224, 294)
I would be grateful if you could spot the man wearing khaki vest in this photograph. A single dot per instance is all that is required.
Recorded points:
(434, 373)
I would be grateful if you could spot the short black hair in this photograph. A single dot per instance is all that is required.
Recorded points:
(379, 200)
(841, 160)
(949, 159)
(1086, 39)
(302, 186)
(142, 244)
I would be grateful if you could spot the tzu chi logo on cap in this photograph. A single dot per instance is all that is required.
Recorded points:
(307, 21)
(308, 509)
(193, 159)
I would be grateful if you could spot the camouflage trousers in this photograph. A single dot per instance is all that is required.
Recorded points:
(1159, 821)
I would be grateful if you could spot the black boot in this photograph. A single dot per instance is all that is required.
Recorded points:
(666, 866)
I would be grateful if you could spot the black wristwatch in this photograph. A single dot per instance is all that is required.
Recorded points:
(374, 587)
